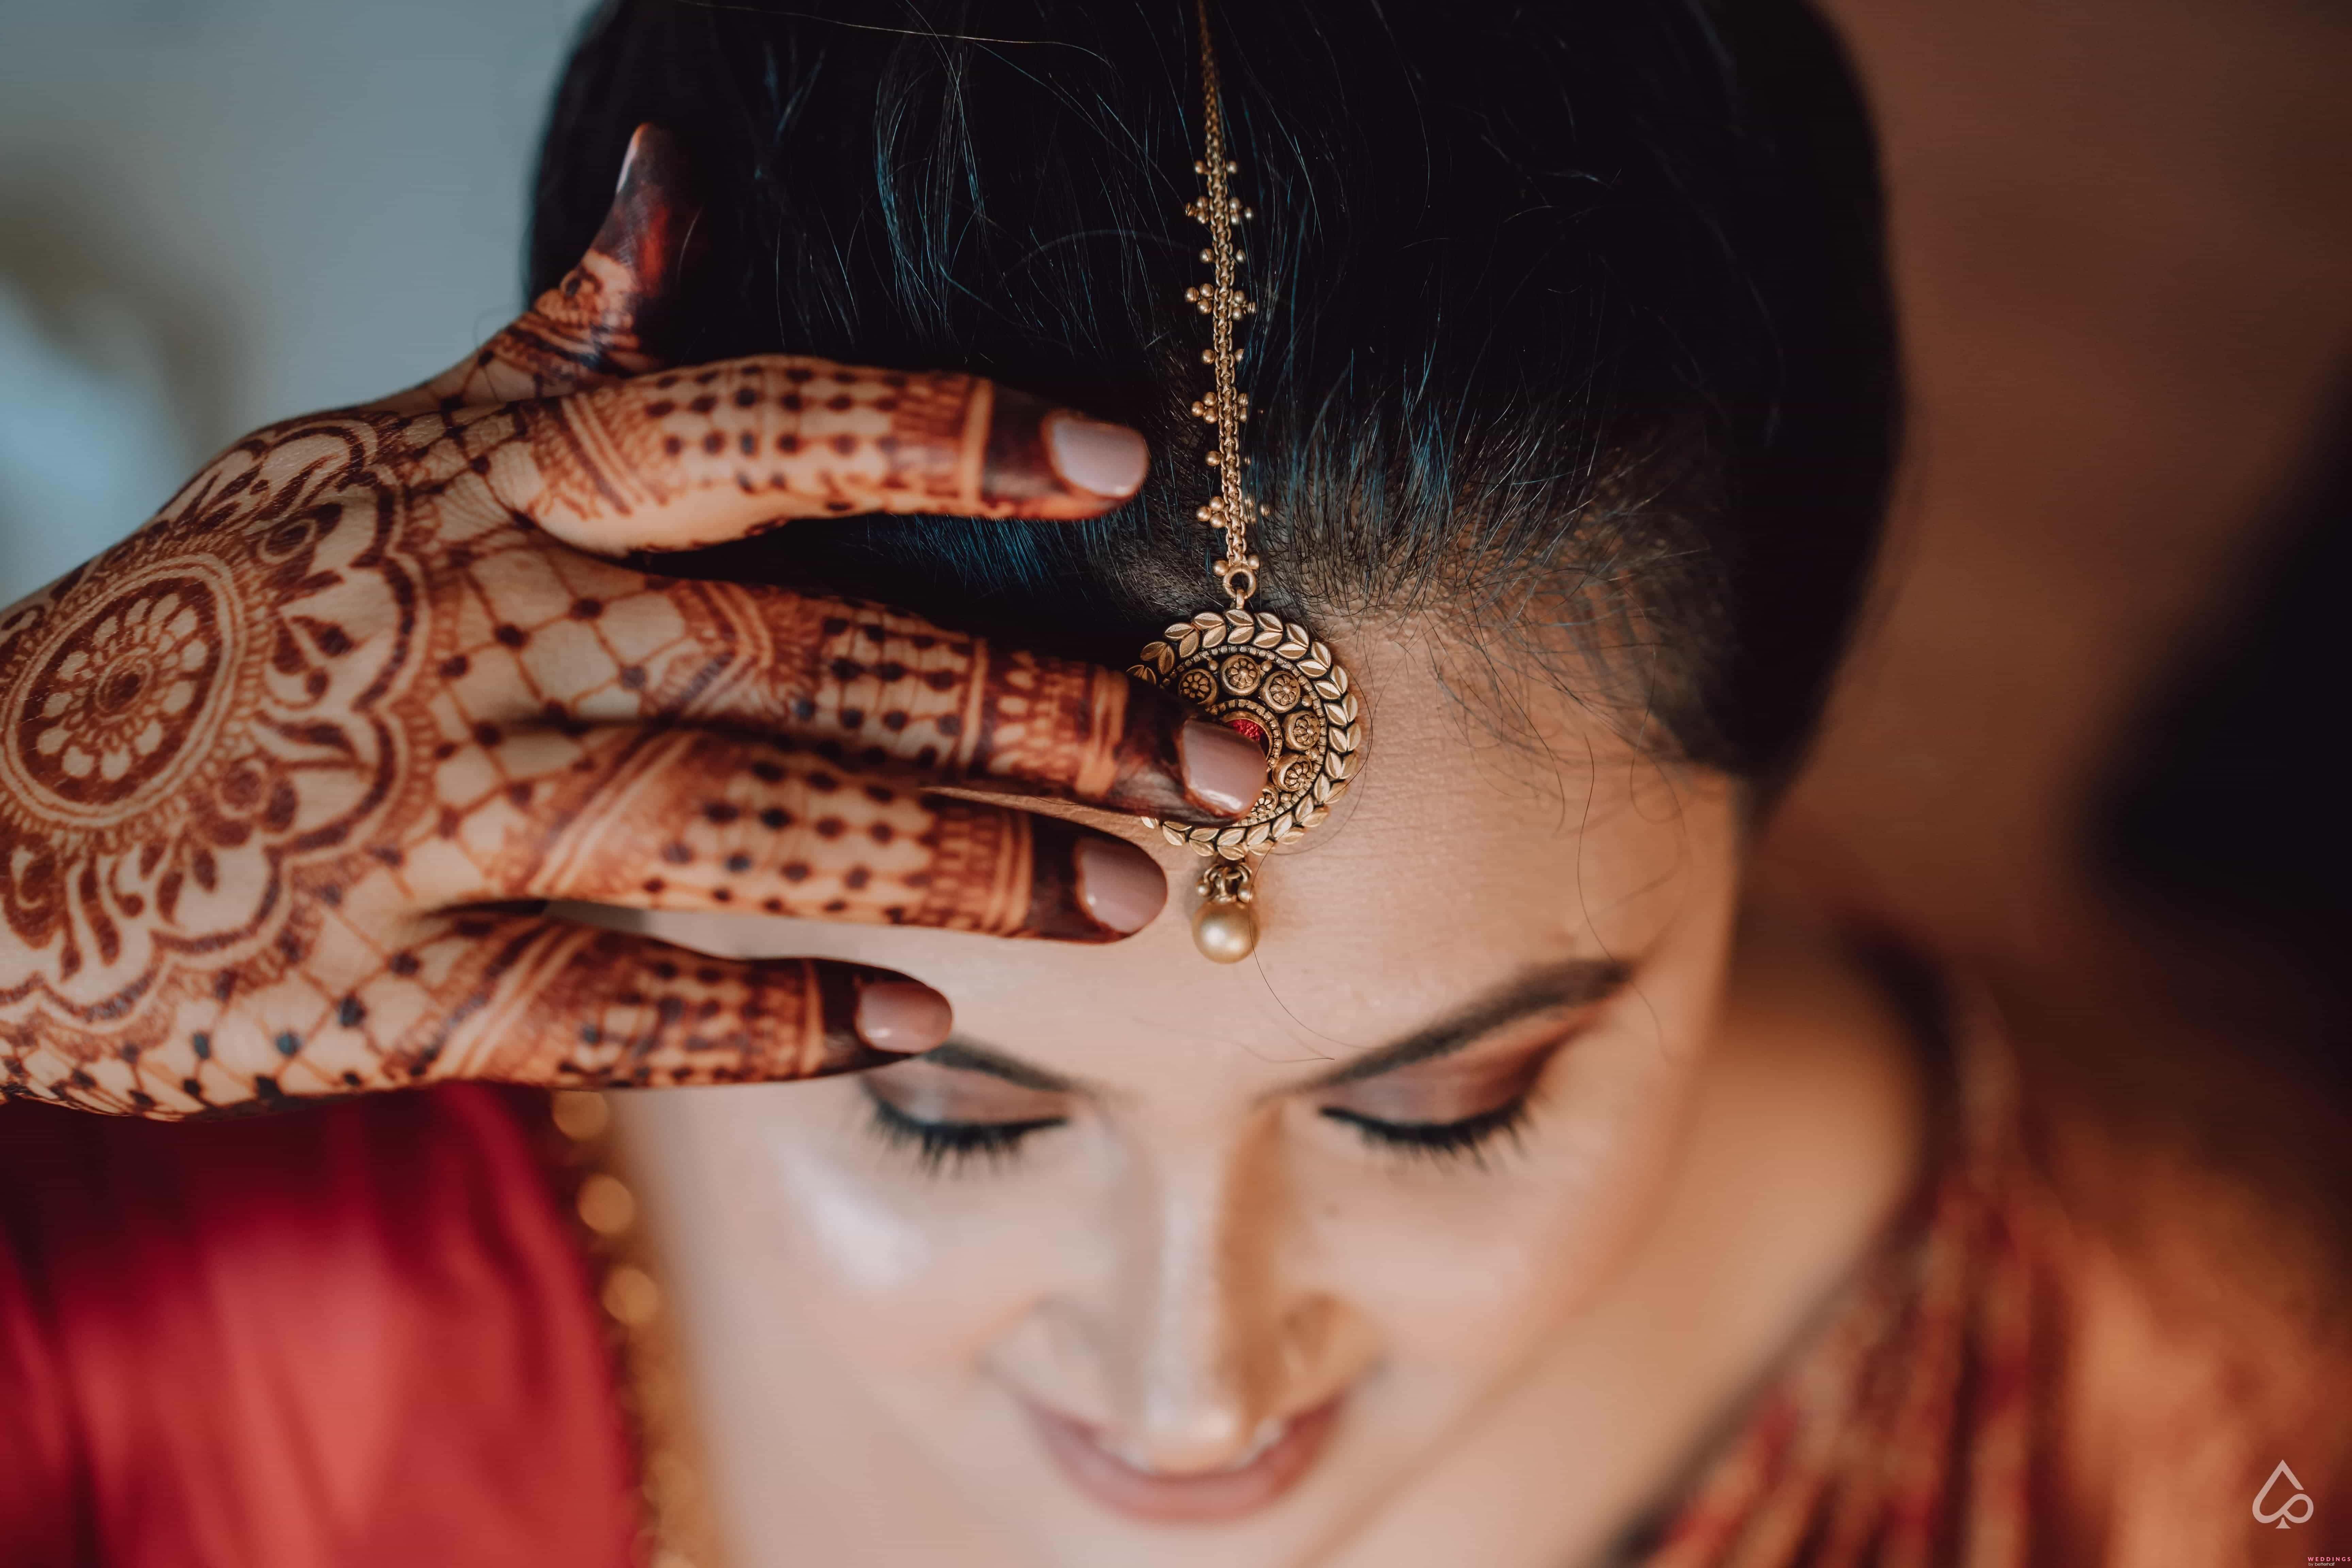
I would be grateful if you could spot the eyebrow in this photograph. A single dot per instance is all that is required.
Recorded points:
(1576, 983)
(968, 1055)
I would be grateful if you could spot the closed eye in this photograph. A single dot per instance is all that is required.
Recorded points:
(951, 1148)
(1470, 1138)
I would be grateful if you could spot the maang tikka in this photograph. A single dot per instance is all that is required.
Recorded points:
(1265, 677)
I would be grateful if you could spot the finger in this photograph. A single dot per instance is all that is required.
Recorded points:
(687, 459)
(513, 997)
(869, 686)
(866, 687)
(547, 639)
(605, 320)
(700, 821)
(567, 1005)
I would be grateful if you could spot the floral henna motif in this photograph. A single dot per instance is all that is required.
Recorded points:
(181, 714)
(339, 685)
(275, 772)
(123, 692)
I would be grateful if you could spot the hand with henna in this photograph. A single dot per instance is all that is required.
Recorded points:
(285, 776)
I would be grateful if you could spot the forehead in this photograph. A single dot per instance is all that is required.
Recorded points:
(1471, 847)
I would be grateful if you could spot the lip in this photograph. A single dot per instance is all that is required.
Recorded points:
(1275, 1467)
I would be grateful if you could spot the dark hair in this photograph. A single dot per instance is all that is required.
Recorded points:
(1572, 312)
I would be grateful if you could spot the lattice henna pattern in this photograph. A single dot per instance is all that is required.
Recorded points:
(274, 771)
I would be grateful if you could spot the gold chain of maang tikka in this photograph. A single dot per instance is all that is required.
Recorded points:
(1222, 301)
(1268, 678)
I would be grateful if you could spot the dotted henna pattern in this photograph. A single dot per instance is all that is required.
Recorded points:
(279, 774)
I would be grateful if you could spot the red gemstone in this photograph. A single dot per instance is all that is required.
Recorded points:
(1247, 726)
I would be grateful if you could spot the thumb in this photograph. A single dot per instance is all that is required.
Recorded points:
(605, 321)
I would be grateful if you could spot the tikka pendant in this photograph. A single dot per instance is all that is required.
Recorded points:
(1224, 928)
(1257, 673)
(1268, 679)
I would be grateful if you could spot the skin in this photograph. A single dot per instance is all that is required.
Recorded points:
(1526, 1343)
(289, 780)
(284, 776)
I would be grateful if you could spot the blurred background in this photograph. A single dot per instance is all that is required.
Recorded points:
(216, 213)
(2090, 748)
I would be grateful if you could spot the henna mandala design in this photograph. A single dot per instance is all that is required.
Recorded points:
(179, 714)
(122, 694)
(275, 771)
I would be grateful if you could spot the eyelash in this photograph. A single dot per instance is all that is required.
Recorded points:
(1442, 1142)
(952, 1148)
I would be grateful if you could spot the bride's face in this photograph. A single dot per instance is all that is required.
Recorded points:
(1161, 1262)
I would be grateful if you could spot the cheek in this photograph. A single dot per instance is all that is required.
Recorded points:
(891, 1268)
(1472, 1268)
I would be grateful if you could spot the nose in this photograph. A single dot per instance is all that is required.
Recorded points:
(1211, 1337)
(1192, 1393)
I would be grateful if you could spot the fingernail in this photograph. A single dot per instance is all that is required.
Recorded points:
(632, 187)
(1108, 460)
(1223, 769)
(629, 160)
(902, 1016)
(1119, 885)
(655, 203)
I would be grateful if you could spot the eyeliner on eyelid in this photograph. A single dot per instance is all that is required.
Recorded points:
(941, 1149)
(945, 1149)
(1468, 1139)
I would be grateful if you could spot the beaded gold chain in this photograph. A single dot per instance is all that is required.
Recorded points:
(1266, 676)
(1225, 406)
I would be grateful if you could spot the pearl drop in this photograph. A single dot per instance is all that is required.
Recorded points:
(1225, 931)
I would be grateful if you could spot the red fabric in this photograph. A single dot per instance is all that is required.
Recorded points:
(354, 1335)
(362, 1335)
(1904, 1433)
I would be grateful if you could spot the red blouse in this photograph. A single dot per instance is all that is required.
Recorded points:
(357, 1334)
